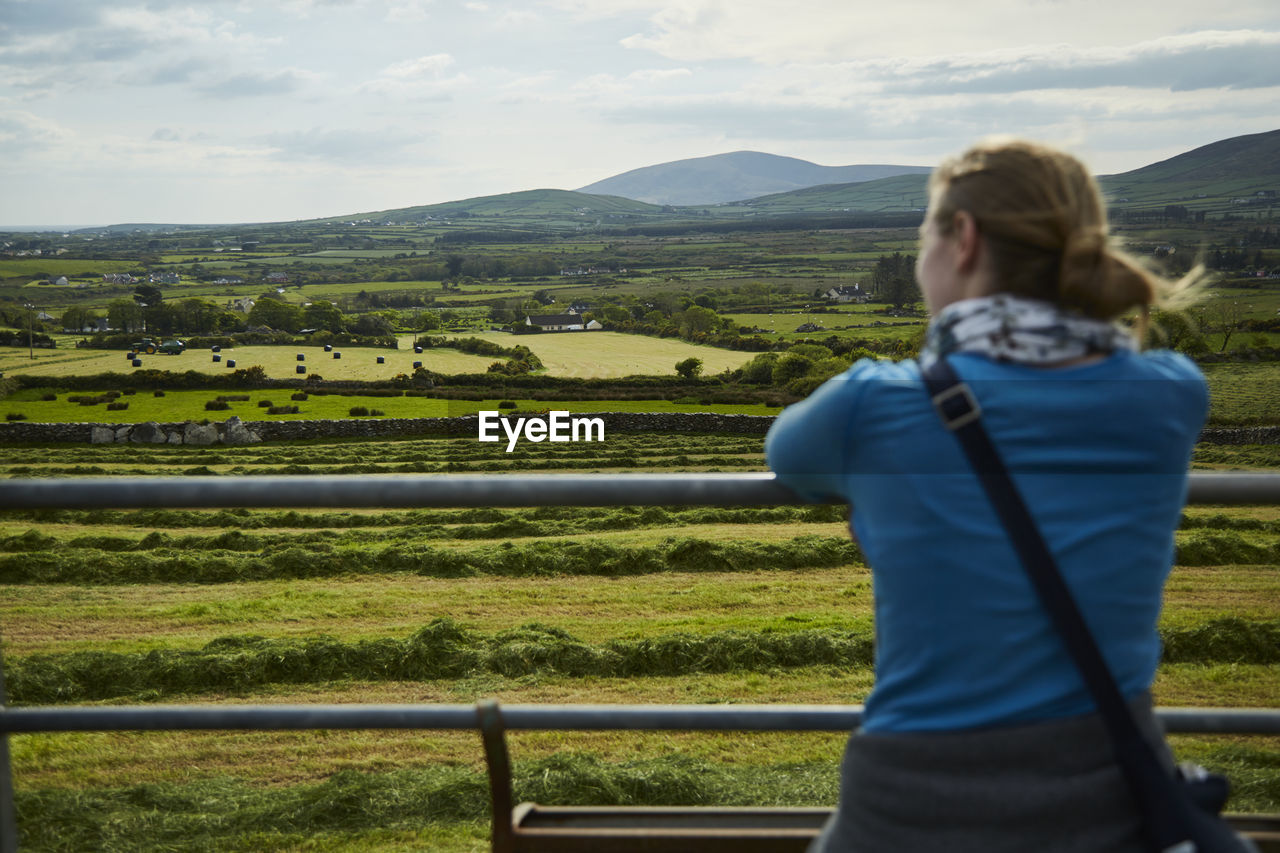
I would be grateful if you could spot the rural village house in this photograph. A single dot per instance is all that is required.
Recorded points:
(845, 293)
(560, 322)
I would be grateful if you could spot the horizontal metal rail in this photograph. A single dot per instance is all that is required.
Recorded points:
(810, 718)
(449, 490)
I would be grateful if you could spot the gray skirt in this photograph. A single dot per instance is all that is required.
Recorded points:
(1052, 786)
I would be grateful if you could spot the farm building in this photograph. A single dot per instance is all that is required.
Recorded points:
(845, 293)
(560, 322)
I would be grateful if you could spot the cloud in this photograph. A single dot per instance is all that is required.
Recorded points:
(255, 84)
(831, 30)
(348, 147)
(1204, 60)
(659, 75)
(23, 132)
(423, 78)
(408, 11)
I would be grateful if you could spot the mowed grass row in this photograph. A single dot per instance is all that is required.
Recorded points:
(455, 454)
(233, 557)
(443, 649)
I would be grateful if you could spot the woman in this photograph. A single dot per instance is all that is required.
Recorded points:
(979, 732)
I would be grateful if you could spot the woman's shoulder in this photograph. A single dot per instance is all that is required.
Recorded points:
(873, 370)
(1168, 364)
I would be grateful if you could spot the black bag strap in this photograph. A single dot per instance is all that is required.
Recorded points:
(1159, 798)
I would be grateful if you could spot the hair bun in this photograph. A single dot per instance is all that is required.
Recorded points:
(1094, 280)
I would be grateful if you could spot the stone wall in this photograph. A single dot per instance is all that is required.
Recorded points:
(235, 431)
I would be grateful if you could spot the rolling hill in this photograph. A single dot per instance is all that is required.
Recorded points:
(733, 177)
(1232, 176)
(1220, 177)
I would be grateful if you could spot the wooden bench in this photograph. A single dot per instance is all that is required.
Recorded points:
(532, 828)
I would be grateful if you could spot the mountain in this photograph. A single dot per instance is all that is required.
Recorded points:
(1237, 175)
(550, 206)
(733, 177)
(1220, 176)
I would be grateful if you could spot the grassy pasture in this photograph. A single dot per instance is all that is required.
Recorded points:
(712, 621)
(595, 354)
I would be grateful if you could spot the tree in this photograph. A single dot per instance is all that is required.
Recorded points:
(372, 324)
(698, 319)
(791, 366)
(1225, 318)
(453, 264)
(148, 295)
(77, 318)
(275, 314)
(690, 368)
(894, 279)
(125, 315)
(323, 314)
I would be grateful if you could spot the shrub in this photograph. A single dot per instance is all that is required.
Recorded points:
(157, 393)
(216, 405)
(282, 410)
(507, 404)
(48, 398)
(129, 392)
(15, 416)
(301, 396)
(233, 398)
(117, 407)
(358, 411)
(265, 404)
(376, 413)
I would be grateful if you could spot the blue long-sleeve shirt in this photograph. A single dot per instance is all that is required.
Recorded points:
(1099, 451)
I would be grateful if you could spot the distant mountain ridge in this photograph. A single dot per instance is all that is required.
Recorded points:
(735, 176)
(1236, 176)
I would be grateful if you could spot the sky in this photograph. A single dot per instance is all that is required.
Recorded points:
(227, 111)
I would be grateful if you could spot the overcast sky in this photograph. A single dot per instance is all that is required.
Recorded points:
(222, 111)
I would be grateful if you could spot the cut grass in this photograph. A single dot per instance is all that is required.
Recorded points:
(444, 649)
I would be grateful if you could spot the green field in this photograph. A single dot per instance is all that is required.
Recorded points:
(631, 604)
(593, 354)
(550, 605)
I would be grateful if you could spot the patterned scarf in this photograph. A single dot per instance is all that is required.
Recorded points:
(1014, 328)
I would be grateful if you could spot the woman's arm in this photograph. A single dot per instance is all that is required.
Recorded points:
(808, 445)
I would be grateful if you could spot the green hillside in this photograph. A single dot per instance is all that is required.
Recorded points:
(898, 194)
(545, 206)
(1241, 174)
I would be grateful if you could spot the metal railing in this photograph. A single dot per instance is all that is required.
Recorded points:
(754, 489)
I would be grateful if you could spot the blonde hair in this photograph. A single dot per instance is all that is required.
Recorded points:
(1045, 226)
